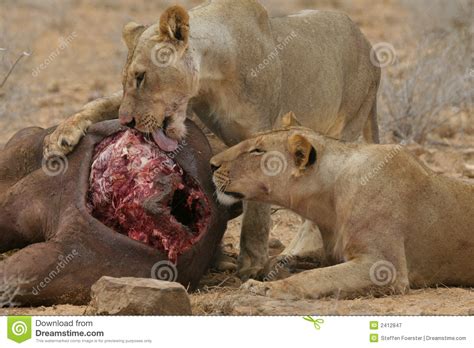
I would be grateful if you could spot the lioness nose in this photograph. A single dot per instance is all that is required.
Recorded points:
(131, 124)
(214, 168)
(128, 121)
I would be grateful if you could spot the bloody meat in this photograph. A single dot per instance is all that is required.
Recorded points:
(138, 190)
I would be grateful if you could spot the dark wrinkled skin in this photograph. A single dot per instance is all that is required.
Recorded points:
(46, 217)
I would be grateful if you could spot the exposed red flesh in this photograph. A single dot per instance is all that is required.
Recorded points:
(126, 170)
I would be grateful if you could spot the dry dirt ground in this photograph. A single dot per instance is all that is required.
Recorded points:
(85, 40)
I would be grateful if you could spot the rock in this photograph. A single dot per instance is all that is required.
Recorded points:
(468, 170)
(275, 247)
(275, 243)
(54, 87)
(138, 296)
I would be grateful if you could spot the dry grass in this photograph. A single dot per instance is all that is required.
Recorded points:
(434, 88)
(431, 83)
(433, 301)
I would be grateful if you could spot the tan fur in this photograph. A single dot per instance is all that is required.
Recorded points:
(289, 120)
(130, 33)
(174, 24)
(377, 207)
(300, 149)
(239, 69)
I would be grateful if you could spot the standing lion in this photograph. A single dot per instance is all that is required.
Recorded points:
(238, 69)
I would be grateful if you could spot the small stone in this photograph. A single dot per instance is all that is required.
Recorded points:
(54, 87)
(468, 170)
(274, 243)
(138, 296)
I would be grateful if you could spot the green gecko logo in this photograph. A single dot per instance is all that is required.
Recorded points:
(316, 322)
(19, 328)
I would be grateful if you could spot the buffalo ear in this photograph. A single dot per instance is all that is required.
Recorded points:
(174, 25)
(303, 152)
(131, 32)
(289, 120)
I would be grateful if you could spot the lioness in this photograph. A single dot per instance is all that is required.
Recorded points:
(388, 223)
(238, 69)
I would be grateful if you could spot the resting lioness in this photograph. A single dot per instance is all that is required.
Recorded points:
(237, 69)
(388, 222)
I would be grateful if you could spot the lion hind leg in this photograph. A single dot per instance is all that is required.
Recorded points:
(360, 276)
(363, 124)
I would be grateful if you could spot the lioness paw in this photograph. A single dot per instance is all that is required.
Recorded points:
(251, 268)
(64, 139)
(246, 273)
(256, 287)
(278, 290)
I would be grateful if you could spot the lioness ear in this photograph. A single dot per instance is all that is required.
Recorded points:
(303, 153)
(130, 33)
(288, 120)
(174, 25)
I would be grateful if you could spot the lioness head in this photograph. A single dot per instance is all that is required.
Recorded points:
(159, 77)
(263, 168)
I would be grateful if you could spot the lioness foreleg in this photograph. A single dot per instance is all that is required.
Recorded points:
(254, 240)
(357, 277)
(66, 136)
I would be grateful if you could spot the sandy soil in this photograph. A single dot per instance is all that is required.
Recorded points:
(90, 67)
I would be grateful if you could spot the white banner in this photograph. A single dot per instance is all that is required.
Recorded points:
(229, 332)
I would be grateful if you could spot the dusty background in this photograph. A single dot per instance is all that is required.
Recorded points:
(71, 52)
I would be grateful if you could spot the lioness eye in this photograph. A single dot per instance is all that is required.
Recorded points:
(257, 152)
(139, 78)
